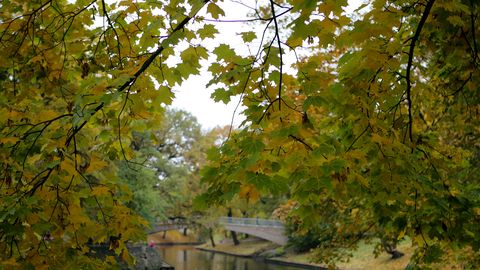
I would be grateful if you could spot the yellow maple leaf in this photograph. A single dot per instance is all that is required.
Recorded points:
(47, 115)
(100, 191)
(9, 140)
(249, 192)
(96, 164)
(68, 166)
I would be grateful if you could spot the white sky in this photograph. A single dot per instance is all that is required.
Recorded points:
(194, 97)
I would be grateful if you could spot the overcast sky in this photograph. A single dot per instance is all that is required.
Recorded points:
(194, 97)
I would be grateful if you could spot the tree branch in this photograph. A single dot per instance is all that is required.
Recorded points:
(472, 22)
(140, 71)
(415, 37)
(279, 43)
(114, 31)
(302, 142)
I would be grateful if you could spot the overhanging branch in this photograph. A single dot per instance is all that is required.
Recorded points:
(279, 43)
(414, 39)
(141, 70)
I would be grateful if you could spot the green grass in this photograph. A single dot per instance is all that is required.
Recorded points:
(363, 258)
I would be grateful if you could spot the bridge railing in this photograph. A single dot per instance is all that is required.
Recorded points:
(170, 222)
(259, 222)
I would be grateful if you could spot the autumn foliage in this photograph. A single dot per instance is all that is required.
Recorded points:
(372, 131)
(372, 114)
(76, 77)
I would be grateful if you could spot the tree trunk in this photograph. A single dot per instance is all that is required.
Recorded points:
(244, 214)
(185, 231)
(234, 238)
(164, 234)
(210, 234)
(234, 234)
(391, 248)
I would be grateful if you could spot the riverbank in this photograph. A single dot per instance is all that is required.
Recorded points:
(363, 257)
(173, 238)
(248, 247)
(258, 248)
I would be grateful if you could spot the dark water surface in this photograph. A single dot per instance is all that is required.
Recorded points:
(189, 258)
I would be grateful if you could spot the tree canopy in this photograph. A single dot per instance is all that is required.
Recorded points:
(376, 117)
(76, 78)
(164, 177)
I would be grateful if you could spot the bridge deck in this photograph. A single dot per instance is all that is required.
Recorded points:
(169, 226)
(258, 222)
(269, 229)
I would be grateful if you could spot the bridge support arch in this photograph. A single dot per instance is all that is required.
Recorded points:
(271, 230)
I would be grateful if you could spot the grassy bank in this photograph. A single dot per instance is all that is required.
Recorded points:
(363, 257)
(252, 247)
(249, 247)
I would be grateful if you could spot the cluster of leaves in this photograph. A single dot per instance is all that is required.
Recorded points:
(76, 77)
(377, 119)
(380, 122)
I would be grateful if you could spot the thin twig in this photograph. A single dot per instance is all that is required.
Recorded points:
(356, 139)
(114, 31)
(279, 43)
(472, 21)
(303, 142)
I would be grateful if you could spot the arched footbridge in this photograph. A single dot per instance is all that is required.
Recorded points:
(170, 226)
(268, 229)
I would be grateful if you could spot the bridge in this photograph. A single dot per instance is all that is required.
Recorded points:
(268, 229)
(170, 226)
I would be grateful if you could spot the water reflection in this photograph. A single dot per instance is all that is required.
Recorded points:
(188, 258)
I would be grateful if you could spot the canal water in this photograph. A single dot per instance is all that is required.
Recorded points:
(189, 258)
